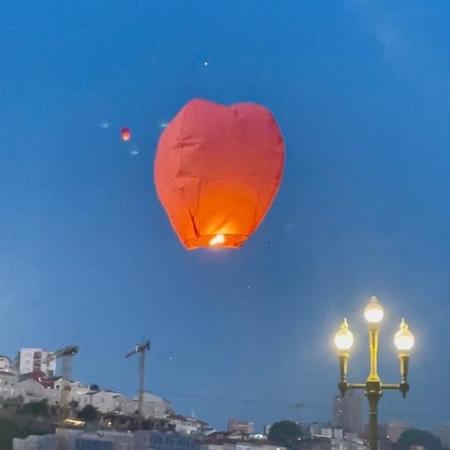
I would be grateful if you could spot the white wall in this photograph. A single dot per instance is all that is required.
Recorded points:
(104, 401)
(125, 405)
(30, 390)
(154, 406)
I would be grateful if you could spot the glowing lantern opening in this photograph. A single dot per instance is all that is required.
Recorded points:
(219, 239)
(217, 171)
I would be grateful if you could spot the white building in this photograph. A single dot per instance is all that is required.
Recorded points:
(76, 389)
(30, 390)
(187, 425)
(35, 359)
(35, 389)
(107, 402)
(154, 406)
(124, 405)
(103, 401)
(35, 386)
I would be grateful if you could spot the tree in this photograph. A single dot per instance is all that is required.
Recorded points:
(88, 414)
(35, 409)
(421, 438)
(73, 404)
(285, 433)
(13, 428)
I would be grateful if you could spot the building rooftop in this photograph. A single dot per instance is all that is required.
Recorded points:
(186, 418)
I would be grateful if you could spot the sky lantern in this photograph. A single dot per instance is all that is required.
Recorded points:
(217, 171)
(125, 134)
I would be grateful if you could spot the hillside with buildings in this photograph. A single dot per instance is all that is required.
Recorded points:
(30, 377)
(103, 419)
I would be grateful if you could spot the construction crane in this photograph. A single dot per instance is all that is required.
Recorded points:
(140, 349)
(66, 354)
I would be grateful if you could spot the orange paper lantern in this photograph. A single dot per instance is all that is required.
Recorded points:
(217, 171)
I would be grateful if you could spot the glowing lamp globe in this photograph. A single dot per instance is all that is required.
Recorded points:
(373, 312)
(343, 339)
(217, 171)
(404, 339)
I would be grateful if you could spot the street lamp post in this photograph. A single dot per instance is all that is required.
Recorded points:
(373, 387)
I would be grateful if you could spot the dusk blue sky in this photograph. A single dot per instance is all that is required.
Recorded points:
(361, 92)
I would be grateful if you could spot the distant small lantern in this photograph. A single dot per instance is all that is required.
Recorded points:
(217, 171)
(125, 134)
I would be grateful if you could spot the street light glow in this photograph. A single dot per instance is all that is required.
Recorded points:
(343, 339)
(374, 387)
(373, 312)
(404, 339)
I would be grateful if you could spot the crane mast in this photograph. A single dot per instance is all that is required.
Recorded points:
(140, 349)
(66, 354)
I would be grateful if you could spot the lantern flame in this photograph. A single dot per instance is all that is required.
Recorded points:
(218, 239)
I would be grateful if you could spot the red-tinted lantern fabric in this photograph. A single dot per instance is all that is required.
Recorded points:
(125, 133)
(217, 171)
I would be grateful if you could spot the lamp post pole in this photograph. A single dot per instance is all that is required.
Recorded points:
(373, 387)
(373, 395)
